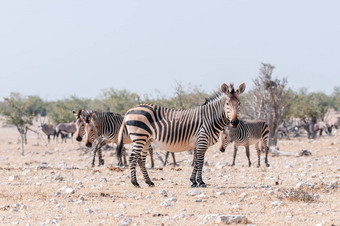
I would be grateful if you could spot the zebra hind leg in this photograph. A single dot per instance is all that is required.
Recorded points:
(101, 143)
(173, 157)
(141, 162)
(151, 157)
(258, 154)
(266, 148)
(248, 155)
(134, 157)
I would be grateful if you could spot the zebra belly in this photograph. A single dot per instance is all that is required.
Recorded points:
(249, 142)
(173, 147)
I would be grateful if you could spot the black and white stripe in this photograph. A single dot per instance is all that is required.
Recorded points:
(247, 133)
(179, 130)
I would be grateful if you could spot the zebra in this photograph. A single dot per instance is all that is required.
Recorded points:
(48, 129)
(80, 123)
(64, 129)
(179, 130)
(247, 133)
(105, 127)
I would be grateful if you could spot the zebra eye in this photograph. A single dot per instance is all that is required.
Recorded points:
(227, 103)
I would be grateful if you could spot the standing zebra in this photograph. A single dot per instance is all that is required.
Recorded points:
(246, 134)
(105, 127)
(64, 129)
(179, 130)
(48, 129)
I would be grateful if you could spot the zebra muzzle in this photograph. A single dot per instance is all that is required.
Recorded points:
(79, 139)
(88, 144)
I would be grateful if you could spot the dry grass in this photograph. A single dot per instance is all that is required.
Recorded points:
(34, 192)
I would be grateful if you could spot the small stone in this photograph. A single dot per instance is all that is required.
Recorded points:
(163, 192)
(122, 205)
(194, 192)
(89, 211)
(125, 222)
(23, 207)
(220, 193)
(69, 190)
(166, 204)
(276, 203)
(103, 180)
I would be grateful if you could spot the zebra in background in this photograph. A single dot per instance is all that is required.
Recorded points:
(179, 130)
(64, 129)
(104, 127)
(80, 123)
(246, 134)
(48, 129)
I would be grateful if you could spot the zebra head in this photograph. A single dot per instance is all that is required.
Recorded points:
(90, 130)
(232, 107)
(80, 124)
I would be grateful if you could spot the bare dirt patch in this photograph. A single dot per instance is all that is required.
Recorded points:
(55, 183)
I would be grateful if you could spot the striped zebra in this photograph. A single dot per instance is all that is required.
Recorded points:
(179, 130)
(104, 127)
(64, 129)
(48, 129)
(247, 133)
(80, 123)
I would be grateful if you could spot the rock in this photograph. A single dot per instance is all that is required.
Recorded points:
(122, 205)
(89, 211)
(166, 204)
(276, 203)
(13, 177)
(125, 222)
(220, 193)
(163, 192)
(226, 219)
(23, 207)
(103, 180)
(69, 190)
(333, 185)
(194, 192)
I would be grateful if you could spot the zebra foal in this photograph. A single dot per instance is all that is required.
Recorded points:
(179, 130)
(245, 134)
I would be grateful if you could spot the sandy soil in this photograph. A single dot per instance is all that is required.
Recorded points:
(54, 184)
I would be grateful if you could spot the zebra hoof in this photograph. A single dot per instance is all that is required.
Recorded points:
(194, 185)
(151, 184)
(267, 164)
(258, 166)
(203, 185)
(136, 185)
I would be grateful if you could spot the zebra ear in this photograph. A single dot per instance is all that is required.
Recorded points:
(94, 116)
(224, 88)
(241, 89)
(75, 114)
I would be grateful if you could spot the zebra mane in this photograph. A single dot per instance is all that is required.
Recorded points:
(214, 97)
(100, 115)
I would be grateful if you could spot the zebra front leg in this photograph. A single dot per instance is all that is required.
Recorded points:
(266, 148)
(94, 155)
(194, 159)
(101, 143)
(173, 157)
(124, 155)
(141, 163)
(200, 163)
(234, 156)
(194, 171)
(258, 154)
(166, 158)
(248, 154)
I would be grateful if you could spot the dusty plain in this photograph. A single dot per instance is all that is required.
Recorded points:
(55, 184)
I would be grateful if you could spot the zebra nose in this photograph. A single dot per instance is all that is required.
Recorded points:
(235, 123)
(78, 138)
(88, 144)
(222, 149)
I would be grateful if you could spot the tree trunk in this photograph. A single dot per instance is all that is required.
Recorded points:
(22, 136)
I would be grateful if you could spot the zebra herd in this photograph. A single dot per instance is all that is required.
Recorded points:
(173, 131)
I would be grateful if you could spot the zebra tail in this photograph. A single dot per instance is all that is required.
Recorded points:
(120, 141)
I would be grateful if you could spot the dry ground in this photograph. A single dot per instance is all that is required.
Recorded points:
(54, 184)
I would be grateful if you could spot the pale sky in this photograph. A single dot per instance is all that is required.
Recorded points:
(56, 49)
